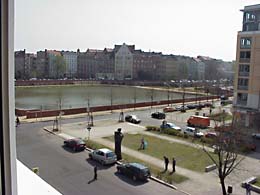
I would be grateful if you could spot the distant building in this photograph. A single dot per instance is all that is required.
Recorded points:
(19, 64)
(247, 74)
(124, 61)
(200, 69)
(71, 60)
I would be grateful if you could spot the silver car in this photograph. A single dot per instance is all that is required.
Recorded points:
(104, 156)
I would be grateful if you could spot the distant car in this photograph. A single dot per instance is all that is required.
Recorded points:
(170, 126)
(104, 156)
(211, 135)
(132, 119)
(158, 115)
(76, 144)
(192, 106)
(192, 132)
(256, 135)
(181, 108)
(136, 171)
(169, 109)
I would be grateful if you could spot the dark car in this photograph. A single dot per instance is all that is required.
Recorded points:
(192, 106)
(76, 144)
(132, 119)
(136, 171)
(158, 115)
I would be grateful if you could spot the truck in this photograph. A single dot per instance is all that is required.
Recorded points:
(198, 121)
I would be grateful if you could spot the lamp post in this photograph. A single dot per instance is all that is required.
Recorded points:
(88, 128)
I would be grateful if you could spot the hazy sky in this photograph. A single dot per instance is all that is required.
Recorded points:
(181, 27)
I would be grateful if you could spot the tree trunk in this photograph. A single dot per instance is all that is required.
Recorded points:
(222, 182)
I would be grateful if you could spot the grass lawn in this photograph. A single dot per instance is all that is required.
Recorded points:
(156, 171)
(257, 183)
(186, 157)
(220, 116)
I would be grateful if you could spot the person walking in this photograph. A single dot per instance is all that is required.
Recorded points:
(95, 172)
(248, 191)
(142, 144)
(166, 162)
(173, 165)
(17, 121)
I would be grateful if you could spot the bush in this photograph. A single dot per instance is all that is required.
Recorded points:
(207, 140)
(186, 136)
(152, 128)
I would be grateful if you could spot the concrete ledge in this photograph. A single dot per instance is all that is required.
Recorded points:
(163, 182)
(210, 168)
(255, 188)
(250, 180)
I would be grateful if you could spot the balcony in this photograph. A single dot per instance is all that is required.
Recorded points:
(241, 102)
(242, 87)
(243, 74)
(244, 60)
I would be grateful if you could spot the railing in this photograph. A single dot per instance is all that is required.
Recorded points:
(245, 74)
(242, 87)
(245, 60)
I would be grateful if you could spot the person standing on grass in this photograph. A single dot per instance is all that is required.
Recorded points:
(166, 162)
(173, 165)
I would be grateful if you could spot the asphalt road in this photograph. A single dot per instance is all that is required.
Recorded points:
(71, 172)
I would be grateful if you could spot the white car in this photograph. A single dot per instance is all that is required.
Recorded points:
(104, 156)
(192, 132)
(256, 135)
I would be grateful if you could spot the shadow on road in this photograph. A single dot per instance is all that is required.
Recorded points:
(99, 166)
(129, 180)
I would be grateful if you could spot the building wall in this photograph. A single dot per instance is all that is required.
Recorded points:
(70, 58)
(20, 64)
(123, 63)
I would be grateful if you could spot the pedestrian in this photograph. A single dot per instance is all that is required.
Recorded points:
(95, 172)
(166, 162)
(210, 111)
(173, 165)
(17, 121)
(248, 191)
(142, 144)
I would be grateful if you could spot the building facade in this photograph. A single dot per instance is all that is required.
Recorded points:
(71, 60)
(247, 73)
(19, 64)
(124, 61)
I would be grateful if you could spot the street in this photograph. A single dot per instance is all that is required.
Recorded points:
(70, 172)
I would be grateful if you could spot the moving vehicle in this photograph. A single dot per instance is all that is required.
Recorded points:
(136, 171)
(158, 115)
(132, 119)
(181, 108)
(75, 144)
(104, 156)
(169, 109)
(170, 126)
(256, 135)
(198, 121)
(191, 131)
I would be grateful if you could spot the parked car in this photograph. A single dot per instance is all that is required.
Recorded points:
(104, 156)
(181, 107)
(136, 171)
(132, 119)
(76, 144)
(170, 126)
(211, 135)
(191, 131)
(158, 115)
(169, 109)
(192, 106)
(256, 135)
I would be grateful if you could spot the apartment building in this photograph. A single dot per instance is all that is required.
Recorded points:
(19, 64)
(71, 60)
(124, 61)
(247, 74)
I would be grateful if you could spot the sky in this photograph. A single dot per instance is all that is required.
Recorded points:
(180, 27)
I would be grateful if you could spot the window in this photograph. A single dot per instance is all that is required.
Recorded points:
(242, 84)
(242, 98)
(244, 70)
(245, 42)
(245, 56)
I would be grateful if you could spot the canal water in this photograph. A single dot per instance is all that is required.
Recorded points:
(77, 96)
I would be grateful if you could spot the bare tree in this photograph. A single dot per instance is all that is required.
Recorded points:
(228, 146)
